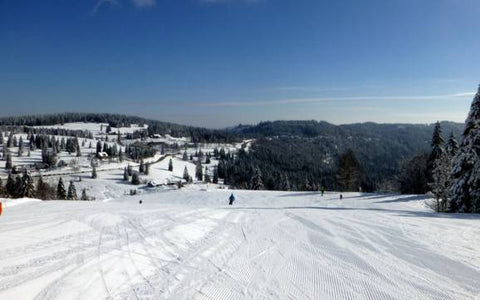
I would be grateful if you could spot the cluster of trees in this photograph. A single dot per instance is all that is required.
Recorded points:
(450, 171)
(19, 186)
(128, 172)
(50, 146)
(197, 135)
(456, 169)
(112, 151)
(139, 150)
(58, 131)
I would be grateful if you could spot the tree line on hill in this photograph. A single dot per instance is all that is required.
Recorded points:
(196, 134)
(19, 186)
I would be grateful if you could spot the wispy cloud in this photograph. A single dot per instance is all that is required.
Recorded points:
(467, 94)
(306, 89)
(136, 3)
(101, 3)
(319, 100)
(144, 3)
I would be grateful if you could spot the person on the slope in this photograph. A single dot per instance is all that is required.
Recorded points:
(231, 199)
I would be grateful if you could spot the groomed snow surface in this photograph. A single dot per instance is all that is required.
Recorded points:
(188, 244)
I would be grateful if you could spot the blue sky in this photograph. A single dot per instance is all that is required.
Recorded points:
(217, 63)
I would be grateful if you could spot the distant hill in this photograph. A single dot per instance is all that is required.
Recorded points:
(310, 150)
(196, 134)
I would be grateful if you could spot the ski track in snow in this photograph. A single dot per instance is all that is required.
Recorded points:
(189, 244)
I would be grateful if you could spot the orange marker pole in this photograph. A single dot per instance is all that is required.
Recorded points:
(1, 208)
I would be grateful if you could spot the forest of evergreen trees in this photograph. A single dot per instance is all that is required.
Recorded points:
(196, 134)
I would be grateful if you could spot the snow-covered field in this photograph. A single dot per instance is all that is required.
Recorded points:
(188, 244)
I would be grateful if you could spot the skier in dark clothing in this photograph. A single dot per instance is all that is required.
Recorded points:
(341, 196)
(231, 199)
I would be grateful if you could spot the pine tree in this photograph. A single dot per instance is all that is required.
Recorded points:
(72, 192)
(307, 186)
(170, 165)
(199, 171)
(207, 176)
(135, 179)
(465, 188)
(452, 145)
(141, 168)
(437, 150)
(186, 176)
(84, 195)
(28, 185)
(284, 183)
(442, 167)
(44, 191)
(19, 188)
(185, 157)
(147, 169)
(61, 192)
(125, 174)
(9, 164)
(256, 182)
(99, 148)
(349, 171)
(94, 172)
(10, 186)
(215, 176)
(120, 155)
(79, 153)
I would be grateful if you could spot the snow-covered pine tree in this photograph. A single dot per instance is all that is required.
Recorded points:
(125, 174)
(170, 165)
(120, 154)
(9, 164)
(207, 176)
(61, 192)
(135, 178)
(256, 182)
(79, 152)
(186, 176)
(19, 189)
(94, 172)
(199, 171)
(437, 150)
(72, 192)
(215, 175)
(442, 168)
(284, 183)
(28, 185)
(465, 188)
(10, 186)
(185, 157)
(452, 145)
(84, 195)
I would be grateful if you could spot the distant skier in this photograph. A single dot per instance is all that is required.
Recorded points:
(231, 199)
(341, 196)
(140, 202)
(322, 191)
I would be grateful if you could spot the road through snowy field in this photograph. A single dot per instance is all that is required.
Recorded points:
(189, 244)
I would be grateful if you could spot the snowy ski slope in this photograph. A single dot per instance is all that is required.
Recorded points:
(188, 244)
